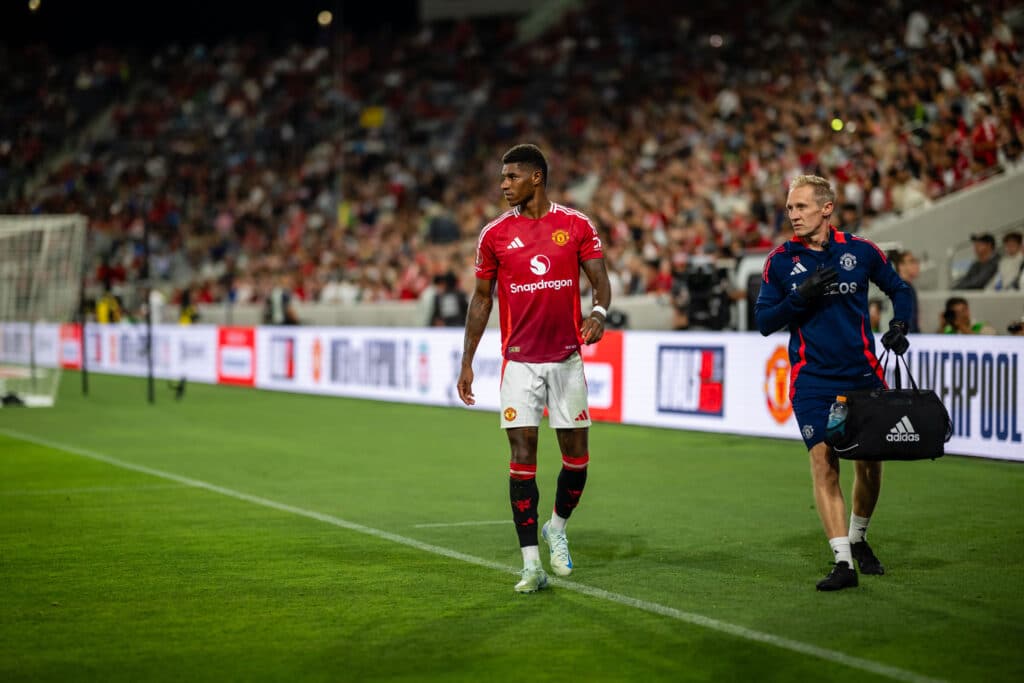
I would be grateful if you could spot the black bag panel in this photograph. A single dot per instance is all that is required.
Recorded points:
(893, 424)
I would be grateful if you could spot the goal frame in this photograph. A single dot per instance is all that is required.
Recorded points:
(33, 314)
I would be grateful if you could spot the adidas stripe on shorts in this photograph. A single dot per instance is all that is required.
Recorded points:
(526, 388)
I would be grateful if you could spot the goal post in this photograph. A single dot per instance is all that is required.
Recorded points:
(40, 288)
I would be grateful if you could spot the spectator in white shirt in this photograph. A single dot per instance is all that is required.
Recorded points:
(1009, 273)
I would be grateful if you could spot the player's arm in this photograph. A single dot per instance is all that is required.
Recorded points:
(592, 328)
(884, 275)
(771, 310)
(774, 309)
(476, 321)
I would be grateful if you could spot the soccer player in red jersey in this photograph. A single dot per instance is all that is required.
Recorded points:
(532, 255)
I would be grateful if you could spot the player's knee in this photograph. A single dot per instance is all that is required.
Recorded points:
(523, 446)
(872, 469)
(573, 442)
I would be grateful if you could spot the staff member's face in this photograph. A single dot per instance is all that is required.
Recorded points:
(808, 219)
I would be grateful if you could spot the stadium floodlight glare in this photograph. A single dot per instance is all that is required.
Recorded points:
(40, 282)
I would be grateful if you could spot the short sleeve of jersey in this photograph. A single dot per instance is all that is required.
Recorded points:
(486, 260)
(590, 240)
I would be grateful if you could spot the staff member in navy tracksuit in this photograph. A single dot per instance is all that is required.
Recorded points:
(817, 285)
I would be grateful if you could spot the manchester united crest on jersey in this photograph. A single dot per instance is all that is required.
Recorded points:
(848, 261)
(560, 237)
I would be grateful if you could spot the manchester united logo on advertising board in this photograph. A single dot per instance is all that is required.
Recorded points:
(560, 237)
(776, 385)
(510, 414)
(318, 360)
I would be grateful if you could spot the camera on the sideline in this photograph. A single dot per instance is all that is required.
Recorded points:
(704, 287)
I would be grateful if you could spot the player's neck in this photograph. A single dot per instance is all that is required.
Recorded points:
(818, 240)
(535, 207)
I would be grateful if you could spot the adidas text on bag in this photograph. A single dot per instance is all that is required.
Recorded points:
(903, 431)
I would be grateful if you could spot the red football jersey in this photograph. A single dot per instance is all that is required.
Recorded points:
(537, 267)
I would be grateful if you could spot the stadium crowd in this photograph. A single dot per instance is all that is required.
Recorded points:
(360, 168)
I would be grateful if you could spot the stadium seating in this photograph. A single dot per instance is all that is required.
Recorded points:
(365, 167)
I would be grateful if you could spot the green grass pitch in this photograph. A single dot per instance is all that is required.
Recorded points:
(247, 535)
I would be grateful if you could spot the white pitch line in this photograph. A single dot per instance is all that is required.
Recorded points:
(743, 632)
(437, 525)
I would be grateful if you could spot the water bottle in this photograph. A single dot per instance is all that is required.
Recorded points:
(836, 426)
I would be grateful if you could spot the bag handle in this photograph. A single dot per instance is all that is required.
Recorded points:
(883, 363)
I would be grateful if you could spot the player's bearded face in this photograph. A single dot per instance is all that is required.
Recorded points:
(516, 183)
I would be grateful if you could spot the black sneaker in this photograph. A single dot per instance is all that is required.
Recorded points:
(866, 559)
(841, 576)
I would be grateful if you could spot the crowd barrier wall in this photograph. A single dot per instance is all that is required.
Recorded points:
(735, 383)
(645, 313)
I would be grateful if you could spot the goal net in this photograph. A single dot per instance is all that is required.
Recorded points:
(40, 279)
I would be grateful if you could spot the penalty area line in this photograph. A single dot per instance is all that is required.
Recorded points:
(742, 632)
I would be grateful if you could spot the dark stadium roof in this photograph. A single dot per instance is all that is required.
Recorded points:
(77, 24)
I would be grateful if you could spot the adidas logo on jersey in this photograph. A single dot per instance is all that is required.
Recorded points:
(797, 269)
(515, 244)
(903, 431)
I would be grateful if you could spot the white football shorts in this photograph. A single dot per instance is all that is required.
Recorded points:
(526, 388)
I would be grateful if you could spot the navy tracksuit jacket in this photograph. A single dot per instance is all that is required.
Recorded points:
(830, 342)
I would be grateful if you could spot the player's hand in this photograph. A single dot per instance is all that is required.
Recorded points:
(895, 339)
(592, 328)
(817, 283)
(465, 385)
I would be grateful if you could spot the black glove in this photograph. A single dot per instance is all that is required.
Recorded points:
(895, 339)
(817, 283)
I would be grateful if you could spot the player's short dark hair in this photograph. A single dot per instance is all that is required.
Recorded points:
(527, 154)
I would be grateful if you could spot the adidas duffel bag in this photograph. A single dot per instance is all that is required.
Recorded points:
(893, 424)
